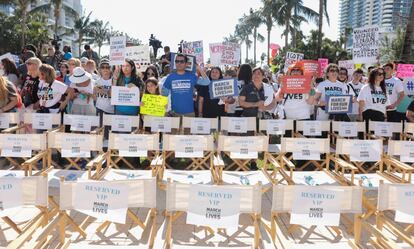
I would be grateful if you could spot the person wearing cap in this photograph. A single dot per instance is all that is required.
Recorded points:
(82, 98)
(296, 106)
(102, 89)
(255, 99)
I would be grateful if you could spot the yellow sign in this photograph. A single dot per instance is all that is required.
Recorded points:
(154, 105)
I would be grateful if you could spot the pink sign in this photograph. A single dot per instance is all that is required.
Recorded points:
(405, 70)
(323, 63)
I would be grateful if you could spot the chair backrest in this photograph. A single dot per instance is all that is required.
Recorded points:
(88, 142)
(348, 129)
(195, 142)
(178, 197)
(122, 123)
(200, 125)
(238, 124)
(313, 127)
(317, 145)
(389, 195)
(34, 189)
(284, 195)
(401, 148)
(145, 142)
(42, 121)
(384, 129)
(275, 126)
(81, 122)
(360, 150)
(9, 118)
(240, 143)
(142, 192)
(24, 141)
(161, 124)
(409, 127)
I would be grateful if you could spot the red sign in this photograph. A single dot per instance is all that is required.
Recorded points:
(296, 84)
(310, 67)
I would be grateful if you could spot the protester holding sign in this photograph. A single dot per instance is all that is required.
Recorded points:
(82, 98)
(182, 84)
(395, 94)
(354, 87)
(373, 98)
(294, 105)
(102, 89)
(330, 87)
(8, 95)
(127, 76)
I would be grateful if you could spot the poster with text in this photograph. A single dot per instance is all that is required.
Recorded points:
(223, 88)
(195, 49)
(117, 45)
(366, 42)
(225, 54)
(128, 96)
(296, 84)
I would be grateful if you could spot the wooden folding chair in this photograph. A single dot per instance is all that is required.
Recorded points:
(399, 161)
(389, 199)
(178, 199)
(199, 126)
(34, 192)
(408, 131)
(162, 125)
(348, 130)
(141, 194)
(312, 128)
(73, 147)
(283, 202)
(82, 123)
(238, 126)
(121, 123)
(24, 151)
(10, 122)
(385, 130)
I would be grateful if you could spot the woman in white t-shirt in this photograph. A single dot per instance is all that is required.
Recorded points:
(82, 98)
(330, 87)
(50, 91)
(296, 106)
(373, 98)
(102, 89)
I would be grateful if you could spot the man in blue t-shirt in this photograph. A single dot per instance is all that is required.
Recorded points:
(181, 85)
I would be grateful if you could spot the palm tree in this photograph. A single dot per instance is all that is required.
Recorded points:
(242, 32)
(407, 51)
(83, 28)
(323, 11)
(286, 9)
(253, 21)
(100, 33)
(267, 13)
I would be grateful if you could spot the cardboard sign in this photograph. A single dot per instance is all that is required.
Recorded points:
(404, 211)
(18, 145)
(200, 126)
(154, 105)
(405, 70)
(366, 43)
(133, 145)
(191, 63)
(311, 67)
(4, 120)
(296, 84)
(214, 206)
(226, 53)
(316, 205)
(75, 146)
(106, 201)
(140, 55)
(223, 88)
(349, 65)
(41, 121)
(338, 104)
(10, 194)
(323, 64)
(195, 49)
(365, 151)
(117, 45)
(127, 96)
(292, 58)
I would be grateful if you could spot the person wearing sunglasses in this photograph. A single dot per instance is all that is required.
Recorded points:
(354, 87)
(31, 84)
(181, 85)
(330, 87)
(102, 89)
(373, 98)
(395, 93)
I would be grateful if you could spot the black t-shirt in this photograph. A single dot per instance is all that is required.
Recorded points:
(211, 108)
(252, 95)
(29, 90)
(411, 106)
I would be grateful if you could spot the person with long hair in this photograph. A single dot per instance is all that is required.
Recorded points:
(10, 70)
(8, 95)
(152, 86)
(127, 76)
(244, 77)
(31, 84)
(63, 72)
(373, 99)
(151, 71)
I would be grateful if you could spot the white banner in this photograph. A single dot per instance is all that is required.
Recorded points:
(140, 55)
(214, 206)
(226, 53)
(128, 96)
(117, 50)
(10, 194)
(292, 58)
(366, 43)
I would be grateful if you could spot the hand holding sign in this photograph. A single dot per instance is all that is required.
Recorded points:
(296, 84)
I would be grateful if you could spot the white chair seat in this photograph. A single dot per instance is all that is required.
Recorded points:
(320, 178)
(189, 177)
(245, 178)
(122, 174)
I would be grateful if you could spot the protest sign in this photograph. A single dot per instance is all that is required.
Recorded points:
(338, 104)
(291, 58)
(103, 200)
(310, 67)
(223, 88)
(117, 50)
(366, 45)
(214, 206)
(316, 205)
(225, 54)
(296, 84)
(348, 64)
(154, 105)
(128, 96)
(405, 71)
(195, 49)
(140, 55)
(323, 63)
(10, 194)
(191, 66)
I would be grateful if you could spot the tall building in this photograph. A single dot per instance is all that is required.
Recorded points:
(69, 11)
